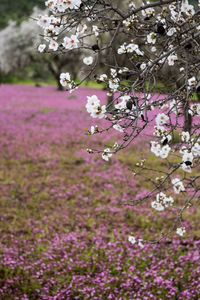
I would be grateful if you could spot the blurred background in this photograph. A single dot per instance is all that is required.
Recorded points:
(19, 37)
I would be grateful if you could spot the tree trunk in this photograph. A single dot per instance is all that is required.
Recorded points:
(198, 96)
(56, 75)
(187, 117)
(109, 99)
(59, 86)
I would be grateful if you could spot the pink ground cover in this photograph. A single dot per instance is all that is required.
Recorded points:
(64, 226)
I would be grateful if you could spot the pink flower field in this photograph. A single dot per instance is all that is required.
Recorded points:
(63, 218)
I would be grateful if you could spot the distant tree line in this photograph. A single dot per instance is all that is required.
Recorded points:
(17, 10)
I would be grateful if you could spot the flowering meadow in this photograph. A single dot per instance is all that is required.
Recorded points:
(67, 231)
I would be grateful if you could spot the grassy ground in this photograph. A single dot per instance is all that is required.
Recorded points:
(64, 223)
(47, 82)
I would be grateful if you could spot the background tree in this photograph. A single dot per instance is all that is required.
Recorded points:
(17, 11)
(19, 51)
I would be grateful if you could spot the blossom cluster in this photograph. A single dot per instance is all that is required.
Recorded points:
(94, 107)
(61, 6)
(162, 201)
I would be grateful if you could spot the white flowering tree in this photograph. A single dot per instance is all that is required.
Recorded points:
(18, 49)
(153, 37)
(16, 44)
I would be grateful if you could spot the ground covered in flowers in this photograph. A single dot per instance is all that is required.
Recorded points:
(64, 223)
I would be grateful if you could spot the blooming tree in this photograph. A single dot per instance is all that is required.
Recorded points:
(151, 37)
(16, 52)
(16, 44)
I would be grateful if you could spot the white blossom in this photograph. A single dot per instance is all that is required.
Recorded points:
(103, 77)
(175, 106)
(183, 150)
(131, 4)
(115, 146)
(187, 161)
(99, 112)
(153, 49)
(171, 31)
(70, 43)
(41, 47)
(178, 185)
(195, 109)
(122, 49)
(162, 201)
(113, 72)
(122, 105)
(187, 8)
(92, 130)
(171, 59)
(93, 102)
(106, 154)
(51, 31)
(118, 128)
(192, 81)
(62, 6)
(185, 136)
(53, 45)
(131, 239)
(148, 12)
(196, 149)
(65, 78)
(140, 244)
(44, 21)
(155, 148)
(181, 231)
(94, 107)
(95, 29)
(88, 60)
(81, 29)
(123, 70)
(157, 206)
(143, 66)
(151, 38)
(127, 22)
(114, 84)
(187, 157)
(160, 131)
(134, 48)
(165, 151)
(161, 119)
